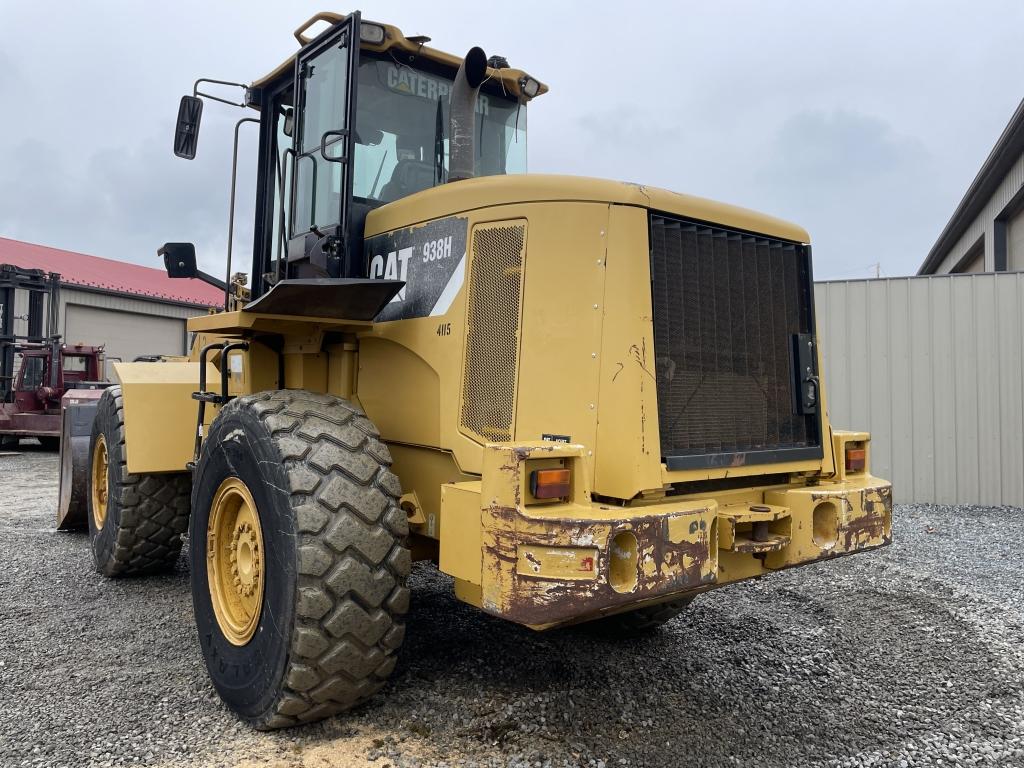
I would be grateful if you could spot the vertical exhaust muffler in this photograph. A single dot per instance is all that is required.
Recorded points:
(462, 115)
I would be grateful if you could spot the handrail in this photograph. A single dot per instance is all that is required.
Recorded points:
(328, 16)
(203, 396)
(231, 211)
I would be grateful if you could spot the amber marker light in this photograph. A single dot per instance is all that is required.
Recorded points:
(855, 459)
(549, 483)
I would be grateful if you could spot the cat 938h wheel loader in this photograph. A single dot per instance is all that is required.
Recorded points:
(583, 400)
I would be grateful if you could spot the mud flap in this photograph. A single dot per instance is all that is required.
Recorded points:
(78, 411)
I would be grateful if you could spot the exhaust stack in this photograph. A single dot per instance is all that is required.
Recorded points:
(462, 115)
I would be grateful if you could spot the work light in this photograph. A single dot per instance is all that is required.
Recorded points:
(529, 86)
(371, 33)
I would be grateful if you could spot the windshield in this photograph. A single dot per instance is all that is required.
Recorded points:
(402, 128)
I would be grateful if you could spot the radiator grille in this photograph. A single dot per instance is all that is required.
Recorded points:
(726, 307)
(492, 336)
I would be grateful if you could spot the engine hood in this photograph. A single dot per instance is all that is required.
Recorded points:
(488, 191)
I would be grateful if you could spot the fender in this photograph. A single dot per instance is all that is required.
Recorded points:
(160, 414)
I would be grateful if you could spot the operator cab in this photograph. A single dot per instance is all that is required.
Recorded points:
(40, 384)
(347, 127)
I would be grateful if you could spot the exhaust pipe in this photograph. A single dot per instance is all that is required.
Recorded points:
(462, 115)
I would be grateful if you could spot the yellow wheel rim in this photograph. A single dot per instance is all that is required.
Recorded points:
(235, 561)
(100, 486)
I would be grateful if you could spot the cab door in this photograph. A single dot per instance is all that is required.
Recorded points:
(325, 91)
(32, 375)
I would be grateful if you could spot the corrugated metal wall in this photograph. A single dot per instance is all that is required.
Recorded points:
(934, 368)
(70, 295)
(115, 303)
(984, 222)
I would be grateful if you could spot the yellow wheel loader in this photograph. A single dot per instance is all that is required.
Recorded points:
(584, 400)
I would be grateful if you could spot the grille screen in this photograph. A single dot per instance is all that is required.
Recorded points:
(492, 337)
(726, 308)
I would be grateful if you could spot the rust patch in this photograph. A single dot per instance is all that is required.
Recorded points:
(864, 527)
(750, 546)
(638, 352)
(881, 504)
(876, 506)
(663, 567)
(639, 356)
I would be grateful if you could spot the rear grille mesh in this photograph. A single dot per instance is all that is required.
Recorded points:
(726, 307)
(492, 336)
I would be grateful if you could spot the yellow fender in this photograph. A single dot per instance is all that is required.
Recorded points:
(160, 414)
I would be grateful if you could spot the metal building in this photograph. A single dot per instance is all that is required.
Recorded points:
(131, 309)
(934, 368)
(986, 231)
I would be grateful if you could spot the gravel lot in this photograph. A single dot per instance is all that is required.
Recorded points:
(908, 656)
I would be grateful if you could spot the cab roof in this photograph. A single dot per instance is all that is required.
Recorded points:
(397, 43)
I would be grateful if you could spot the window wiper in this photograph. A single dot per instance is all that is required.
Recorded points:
(376, 179)
(439, 145)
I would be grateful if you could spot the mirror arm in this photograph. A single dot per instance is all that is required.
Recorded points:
(209, 279)
(196, 92)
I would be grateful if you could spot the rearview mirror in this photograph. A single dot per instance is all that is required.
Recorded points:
(179, 259)
(186, 132)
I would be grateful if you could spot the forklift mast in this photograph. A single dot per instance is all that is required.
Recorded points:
(39, 285)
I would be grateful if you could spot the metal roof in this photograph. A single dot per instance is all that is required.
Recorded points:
(998, 163)
(108, 275)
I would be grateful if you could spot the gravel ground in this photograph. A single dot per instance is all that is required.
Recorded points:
(910, 656)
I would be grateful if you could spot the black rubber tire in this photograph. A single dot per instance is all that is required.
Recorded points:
(146, 513)
(639, 621)
(336, 557)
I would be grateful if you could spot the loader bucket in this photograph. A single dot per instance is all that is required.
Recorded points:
(78, 410)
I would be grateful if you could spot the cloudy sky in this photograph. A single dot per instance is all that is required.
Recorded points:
(862, 121)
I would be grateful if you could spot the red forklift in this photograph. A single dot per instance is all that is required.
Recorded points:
(30, 399)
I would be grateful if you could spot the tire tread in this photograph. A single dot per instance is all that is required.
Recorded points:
(154, 512)
(353, 561)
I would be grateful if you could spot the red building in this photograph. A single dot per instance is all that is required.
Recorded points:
(130, 309)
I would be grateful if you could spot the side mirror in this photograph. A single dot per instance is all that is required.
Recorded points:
(179, 259)
(186, 132)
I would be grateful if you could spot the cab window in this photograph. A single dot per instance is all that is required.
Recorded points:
(401, 141)
(75, 363)
(318, 189)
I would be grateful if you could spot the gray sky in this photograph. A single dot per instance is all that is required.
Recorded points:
(864, 122)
